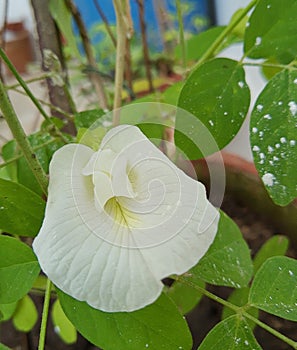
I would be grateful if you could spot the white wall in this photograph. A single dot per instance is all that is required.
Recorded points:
(226, 8)
(18, 10)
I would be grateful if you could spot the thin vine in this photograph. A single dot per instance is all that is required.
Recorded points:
(240, 310)
(44, 317)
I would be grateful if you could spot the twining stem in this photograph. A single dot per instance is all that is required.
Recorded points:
(29, 81)
(237, 309)
(30, 94)
(21, 138)
(122, 33)
(181, 33)
(44, 316)
(220, 39)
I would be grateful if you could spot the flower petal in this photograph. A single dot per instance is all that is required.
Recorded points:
(80, 263)
(152, 221)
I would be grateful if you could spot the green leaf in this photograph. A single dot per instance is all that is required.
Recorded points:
(273, 136)
(228, 261)
(45, 146)
(9, 151)
(63, 18)
(21, 210)
(40, 283)
(240, 297)
(63, 327)
(274, 289)
(239, 29)
(272, 31)
(198, 44)
(4, 173)
(18, 269)
(215, 93)
(171, 94)
(3, 347)
(153, 131)
(25, 315)
(157, 326)
(270, 68)
(88, 119)
(185, 297)
(231, 333)
(6, 311)
(91, 137)
(47, 125)
(276, 245)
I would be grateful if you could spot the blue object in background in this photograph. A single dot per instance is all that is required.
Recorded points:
(198, 9)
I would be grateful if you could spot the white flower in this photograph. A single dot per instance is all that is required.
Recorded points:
(120, 220)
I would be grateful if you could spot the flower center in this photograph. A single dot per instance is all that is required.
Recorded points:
(112, 184)
(119, 213)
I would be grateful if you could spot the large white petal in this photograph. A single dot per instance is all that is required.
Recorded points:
(160, 222)
(79, 262)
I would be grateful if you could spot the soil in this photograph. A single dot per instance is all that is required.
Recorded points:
(201, 319)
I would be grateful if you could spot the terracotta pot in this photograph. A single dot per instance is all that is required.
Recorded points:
(18, 46)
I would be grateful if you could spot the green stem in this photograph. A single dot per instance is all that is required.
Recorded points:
(270, 65)
(181, 33)
(210, 295)
(44, 318)
(220, 39)
(238, 309)
(21, 138)
(29, 93)
(30, 81)
(271, 330)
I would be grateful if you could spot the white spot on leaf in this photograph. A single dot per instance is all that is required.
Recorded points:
(293, 107)
(258, 41)
(256, 148)
(268, 179)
